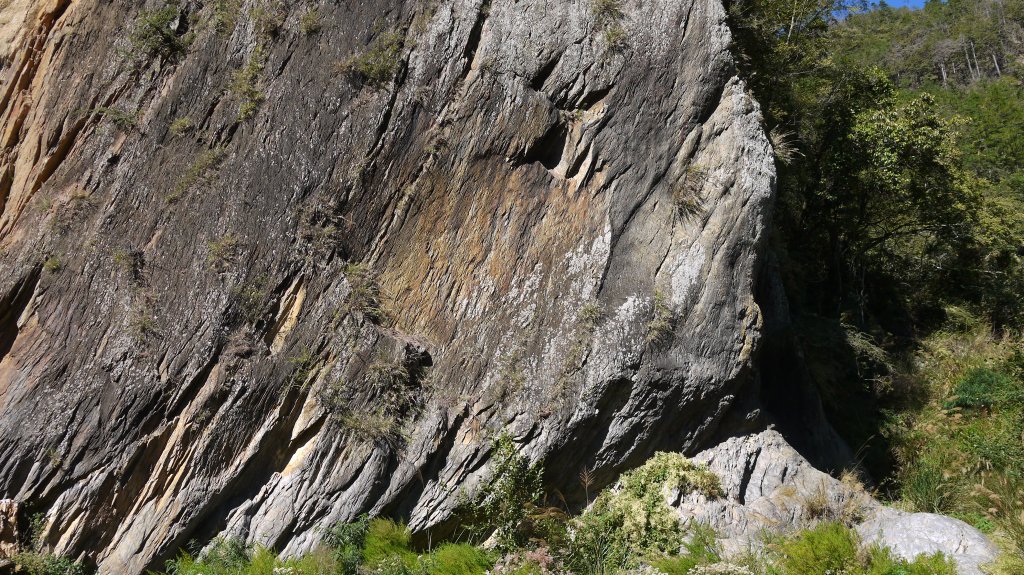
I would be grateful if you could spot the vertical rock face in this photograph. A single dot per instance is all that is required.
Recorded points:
(265, 266)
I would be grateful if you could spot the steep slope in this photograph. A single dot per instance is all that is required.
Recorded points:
(266, 266)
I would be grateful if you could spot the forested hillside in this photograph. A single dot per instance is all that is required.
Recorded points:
(900, 232)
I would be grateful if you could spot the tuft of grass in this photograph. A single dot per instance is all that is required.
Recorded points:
(607, 12)
(181, 126)
(225, 15)
(245, 85)
(615, 37)
(310, 22)
(784, 145)
(220, 253)
(662, 322)
(688, 193)
(834, 548)
(196, 173)
(378, 63)
(365, 296)
(269, 17)
(124, 120)
(154, 36)
(52, 265)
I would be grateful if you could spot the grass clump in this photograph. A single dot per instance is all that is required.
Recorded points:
(365, 295)
(269, 17)
(688, 194)
(607, 12)
(221, 253)
(245, 85)
(181, 126)
(154, 35)
(310, 22)
(124, 120)
(225, 15)
(363, 547)
(662, 322)
(375, 407)
(199, 172)
(834, 548)
(52, 265)
(378, 63)
(608, 16)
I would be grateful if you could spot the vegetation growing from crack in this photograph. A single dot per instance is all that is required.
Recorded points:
(310, 22)
(365, 296)
(124, 120)
(375, 407)
(662, 322)
(181, 126)
(688, 194)
(245, 84)
(608, 16)
(198, 172)
(378, 63)
(221, 252)
(154, 35)
(224, 15)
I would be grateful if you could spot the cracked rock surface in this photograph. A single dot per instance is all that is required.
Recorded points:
(251, 284)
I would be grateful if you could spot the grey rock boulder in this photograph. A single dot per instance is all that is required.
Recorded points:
(769, 486)
(913, 534)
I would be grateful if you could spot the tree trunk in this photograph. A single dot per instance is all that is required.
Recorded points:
(977, 68)
(996, 62)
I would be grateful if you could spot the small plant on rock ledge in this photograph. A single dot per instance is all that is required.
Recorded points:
(375, 407)
(378, 64)
(244, 84)
(155, 36)
(197, 173)
(269, 17)
(309, 22)
(365, 295)
(52, 265)
(124, 120)
(663, 321)
(222, 252)
(181, 126)
(688, 194)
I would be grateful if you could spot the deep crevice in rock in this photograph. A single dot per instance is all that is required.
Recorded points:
(11, 308)
(548, 149)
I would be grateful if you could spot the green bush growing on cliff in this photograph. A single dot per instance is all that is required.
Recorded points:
(503, 505)
(37, 558)
(378, 63)
(154, 37)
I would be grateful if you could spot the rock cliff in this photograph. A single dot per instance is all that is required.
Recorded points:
(267, 265)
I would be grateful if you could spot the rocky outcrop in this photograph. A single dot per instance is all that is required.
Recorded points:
(769, 487)
(911, 534)
(266, 265)
(9, 538)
